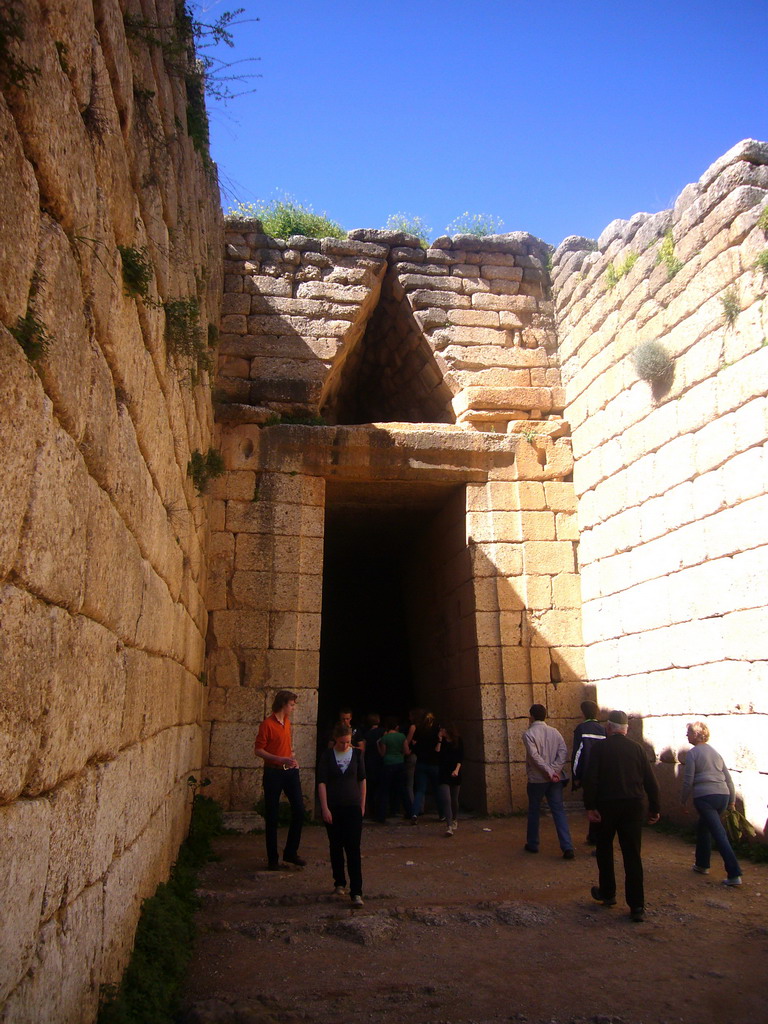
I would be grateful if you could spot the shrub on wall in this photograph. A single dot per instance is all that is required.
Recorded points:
(653, 363)
(409, 225)
(283, 217)
(204, 468)
(480, 224)
(666, 255)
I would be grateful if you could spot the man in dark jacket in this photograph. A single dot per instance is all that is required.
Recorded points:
(585, 736)
(618, 777)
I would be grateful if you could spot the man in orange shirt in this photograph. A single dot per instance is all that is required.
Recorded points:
(281, 775)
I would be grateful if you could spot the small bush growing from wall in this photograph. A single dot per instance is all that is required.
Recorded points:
(761, 263)
(653, 363)
(283, 217)
(137, 271)
(614, 273)
(666, 255)
(204, 468)
(184, 335)
(480, 224)
(731, 306)
(410, 225)
(762, 221)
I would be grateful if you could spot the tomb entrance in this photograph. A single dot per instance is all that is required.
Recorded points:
(396, 524)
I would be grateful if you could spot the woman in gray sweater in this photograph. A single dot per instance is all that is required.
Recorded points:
(708, 779)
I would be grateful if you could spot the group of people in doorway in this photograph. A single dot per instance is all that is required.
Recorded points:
(382, 768)
(405, 764)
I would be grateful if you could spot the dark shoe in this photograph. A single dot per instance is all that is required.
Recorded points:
(273, 866)
(295, 859)
(530, 849)
(568, 854)
(637, 914)
(607, 901)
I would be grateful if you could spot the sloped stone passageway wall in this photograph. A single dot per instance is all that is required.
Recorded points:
(673, 510)
(103, 542)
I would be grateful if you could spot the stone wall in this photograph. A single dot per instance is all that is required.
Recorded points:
(672, 480)
(103, 545)
(462, 332)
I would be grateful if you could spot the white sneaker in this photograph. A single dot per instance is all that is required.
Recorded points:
(736, 880)
(340, 890)
(700, 871)
(448, 832)
(454, 825)
(357, 901)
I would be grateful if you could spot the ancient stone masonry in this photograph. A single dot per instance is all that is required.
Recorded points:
(671, 482)
(462, 332)
(446, 452)
(103, 549)
(404, 518)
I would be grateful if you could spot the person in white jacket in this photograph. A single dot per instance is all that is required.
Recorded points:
(545, 758)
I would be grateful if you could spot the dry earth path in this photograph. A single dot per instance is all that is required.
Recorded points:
(473, 929)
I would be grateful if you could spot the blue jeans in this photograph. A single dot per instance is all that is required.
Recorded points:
(710, 827)
(426, 776)
(553, 791)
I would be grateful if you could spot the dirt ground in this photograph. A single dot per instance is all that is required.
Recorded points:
(473, 930)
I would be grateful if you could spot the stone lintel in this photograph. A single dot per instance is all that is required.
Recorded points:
(388, 451)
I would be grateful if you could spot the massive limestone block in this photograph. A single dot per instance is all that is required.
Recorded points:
(83, 700)
(24, 849)
(22, 429)
(20, 220)
(65, 365)
(27, 646)
(52, 551)
(62, 984)
(55, 139)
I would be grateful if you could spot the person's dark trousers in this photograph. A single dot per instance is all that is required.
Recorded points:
(393, 780)
(622, 818)
(277, 781)
(710, 826)
(344, 837)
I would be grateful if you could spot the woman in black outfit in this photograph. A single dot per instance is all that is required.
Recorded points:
(341, 791)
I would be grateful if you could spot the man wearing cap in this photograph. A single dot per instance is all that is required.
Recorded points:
(545, 759)
(618, 777)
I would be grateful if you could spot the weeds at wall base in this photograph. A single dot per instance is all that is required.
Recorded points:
(151, 986)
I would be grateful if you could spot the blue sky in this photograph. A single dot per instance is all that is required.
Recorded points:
(555, 116)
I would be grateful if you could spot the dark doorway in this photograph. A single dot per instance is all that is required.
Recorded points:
(368, 627)
(390, 374)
